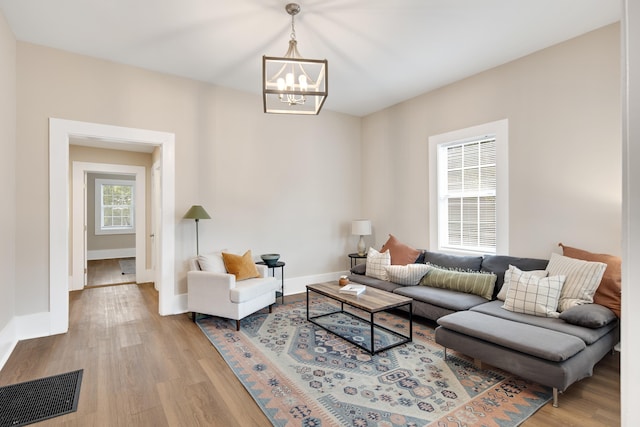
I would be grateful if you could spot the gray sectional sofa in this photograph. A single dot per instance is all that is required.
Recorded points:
(555, 352)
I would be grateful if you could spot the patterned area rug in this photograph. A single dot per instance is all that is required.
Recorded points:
(301, 375)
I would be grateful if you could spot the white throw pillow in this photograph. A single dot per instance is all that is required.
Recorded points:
(583, 279)
(507, 278)
(212, 262)
(529, 294)
(376, 263)
(407, 275)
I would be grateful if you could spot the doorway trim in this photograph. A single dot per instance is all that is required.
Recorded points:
(60, 132)
(79, 223)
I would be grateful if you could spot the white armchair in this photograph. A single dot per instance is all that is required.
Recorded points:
(217, 293)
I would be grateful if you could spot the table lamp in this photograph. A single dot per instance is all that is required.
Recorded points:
(197, 212)
(361, 227)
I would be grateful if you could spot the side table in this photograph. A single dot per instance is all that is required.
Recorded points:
(355, 257)
(280, 265)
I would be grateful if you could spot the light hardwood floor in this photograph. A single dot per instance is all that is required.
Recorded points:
(103, 272)
(142, 369)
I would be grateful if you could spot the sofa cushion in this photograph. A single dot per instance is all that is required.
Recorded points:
(385, 285)
(376, 263)
(583, 278)
(401, 254)
(499, 264)
(588, 315)
(249, 289)
(608, 293)
(472, 263)
(444, 298)
(477, 283)
(407, 275)
(241, 266)
(507, 278)
(535, 341)
(530, 294)
(588, 335)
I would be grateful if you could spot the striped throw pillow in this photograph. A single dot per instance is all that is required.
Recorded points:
(407, 275)
(583, 278)
(477, 283)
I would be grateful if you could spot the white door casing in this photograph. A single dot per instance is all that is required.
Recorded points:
(60, 132)
(79, 173)
(156, 229)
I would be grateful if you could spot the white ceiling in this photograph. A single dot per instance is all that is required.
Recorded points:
(380, 52)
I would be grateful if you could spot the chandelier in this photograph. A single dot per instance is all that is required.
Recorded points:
(292, 84)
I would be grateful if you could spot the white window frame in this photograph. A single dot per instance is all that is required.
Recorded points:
(99, 228)
(498, 130)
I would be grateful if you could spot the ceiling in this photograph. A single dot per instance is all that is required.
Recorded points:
(380, 52)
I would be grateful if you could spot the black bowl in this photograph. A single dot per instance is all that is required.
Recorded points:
(270, 259)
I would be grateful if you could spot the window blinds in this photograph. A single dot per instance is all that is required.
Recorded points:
(470, 195)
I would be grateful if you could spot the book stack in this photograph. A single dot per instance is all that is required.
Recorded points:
(352, 289)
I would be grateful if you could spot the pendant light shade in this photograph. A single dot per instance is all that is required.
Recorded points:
(292, 84)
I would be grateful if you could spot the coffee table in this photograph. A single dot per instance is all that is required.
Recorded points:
(371, 301)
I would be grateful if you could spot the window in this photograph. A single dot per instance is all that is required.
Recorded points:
(115, 213)
(468, 190)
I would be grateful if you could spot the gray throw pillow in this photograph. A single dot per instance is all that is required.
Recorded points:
(498, 264)
(359, 268)
(459, 262)
(588, 315)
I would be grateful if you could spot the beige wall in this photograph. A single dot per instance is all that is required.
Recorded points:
(563, 107)
(271, 183)
(7, 174)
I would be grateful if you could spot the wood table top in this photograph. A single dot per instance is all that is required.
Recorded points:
(371, 300)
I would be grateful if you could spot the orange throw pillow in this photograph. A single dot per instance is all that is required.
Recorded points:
(401, 254)
(609, 291)
(242, 267)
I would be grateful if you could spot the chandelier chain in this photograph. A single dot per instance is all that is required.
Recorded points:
(293, 27)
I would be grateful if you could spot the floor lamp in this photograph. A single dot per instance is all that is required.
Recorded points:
(197, 212)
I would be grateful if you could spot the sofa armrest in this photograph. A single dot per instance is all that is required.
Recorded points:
(205, 288)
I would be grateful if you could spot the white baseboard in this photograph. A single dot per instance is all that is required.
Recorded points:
(23, 328)
(298, 285)
(145, 277)
(111, 253)
(8, 341)
(33, 325)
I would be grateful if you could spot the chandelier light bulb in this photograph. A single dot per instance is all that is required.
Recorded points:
(289, 78)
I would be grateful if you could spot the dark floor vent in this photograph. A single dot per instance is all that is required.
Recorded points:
(37, 400)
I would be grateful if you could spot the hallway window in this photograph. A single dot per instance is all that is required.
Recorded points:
(115, 206)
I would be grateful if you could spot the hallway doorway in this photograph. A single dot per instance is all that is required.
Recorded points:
(61, 131)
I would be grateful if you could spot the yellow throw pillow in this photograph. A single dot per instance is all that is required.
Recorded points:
(242, 267)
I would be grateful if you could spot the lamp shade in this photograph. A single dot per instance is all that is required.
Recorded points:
(197, 212)
(361, 227)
